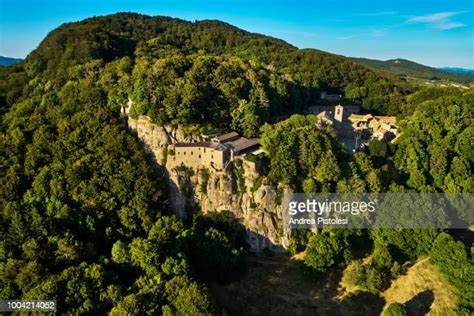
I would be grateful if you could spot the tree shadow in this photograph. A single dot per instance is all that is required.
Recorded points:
(362, 303)
(420, 304)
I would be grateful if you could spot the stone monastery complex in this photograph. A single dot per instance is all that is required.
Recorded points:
(346, 121)
(350, 125)
(353, 130)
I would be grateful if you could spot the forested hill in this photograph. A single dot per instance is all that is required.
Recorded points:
(7, 61)
(83, 212)
(411, 69)
(134, 50)
(458, 70)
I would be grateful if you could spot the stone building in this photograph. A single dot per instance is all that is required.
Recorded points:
(213, 154)
(337, 112)
(379, 127)
(216, 153)
(354, 129)
(224, 138)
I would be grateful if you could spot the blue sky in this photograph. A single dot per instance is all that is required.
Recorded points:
(432, 32)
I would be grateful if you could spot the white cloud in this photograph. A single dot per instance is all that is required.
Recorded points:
(441, 20)
(449, 26)
(433, 18)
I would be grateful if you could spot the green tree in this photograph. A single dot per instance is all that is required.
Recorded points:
(120, 252)
(456, 264)
(323, 251)
(395, 309)
(187, 298)
(378, 148)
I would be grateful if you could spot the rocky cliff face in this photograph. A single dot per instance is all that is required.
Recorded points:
(239, 189)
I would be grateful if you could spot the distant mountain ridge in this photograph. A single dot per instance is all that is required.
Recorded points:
(458, 70)
(7, 61)
(411, 69)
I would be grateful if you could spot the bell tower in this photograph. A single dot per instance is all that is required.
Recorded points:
(338, 113)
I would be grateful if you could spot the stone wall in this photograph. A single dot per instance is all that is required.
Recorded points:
(199, 155)
(239, 189)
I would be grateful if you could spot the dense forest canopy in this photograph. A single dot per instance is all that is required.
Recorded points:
(433, 153)
(165, 65)
(84, 212)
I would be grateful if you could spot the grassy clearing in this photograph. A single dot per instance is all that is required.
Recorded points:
(423, 277)
(278, 285)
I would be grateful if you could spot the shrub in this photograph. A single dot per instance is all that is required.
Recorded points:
(257, 183)
(382, 257)
(378, 148)
(250, 157)
(395, 309)
(204, 180)
(354, 275)
(374, 280)
(164, 158)
(395, 270)
(324, 250)
(279, 196)
(367, 278)
(453, 260)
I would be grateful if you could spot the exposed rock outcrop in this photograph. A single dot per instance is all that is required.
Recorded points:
(239, 189)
